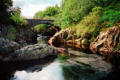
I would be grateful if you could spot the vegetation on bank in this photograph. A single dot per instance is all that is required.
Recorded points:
(86, 17)
(4, 12)
(17, 18)
(11, 22)
(39, 28)
(49, 13)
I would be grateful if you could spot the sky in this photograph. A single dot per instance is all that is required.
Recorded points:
(30, 7)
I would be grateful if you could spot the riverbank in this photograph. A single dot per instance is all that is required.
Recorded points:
(17, 61)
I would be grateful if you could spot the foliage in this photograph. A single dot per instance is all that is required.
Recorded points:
(73, 11)
(111, 15)
(89, 25)
(18, 19)
(49, 13)
(41, 27)
(5, 10)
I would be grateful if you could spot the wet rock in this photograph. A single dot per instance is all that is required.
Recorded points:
(92, 66)
(92, 60)
(68, 38)
(59, 37)
(7, 47)
(106, 41)
(18, 33)
(32, 52)
(27, 34)
(1, 58)
(22, 43)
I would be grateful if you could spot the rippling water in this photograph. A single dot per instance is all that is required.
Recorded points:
(51, 72)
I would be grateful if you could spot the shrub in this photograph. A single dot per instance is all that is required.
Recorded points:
(90, 24)
(41, 27)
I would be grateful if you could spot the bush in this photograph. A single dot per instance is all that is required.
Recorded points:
(90, 24)
(41, 27)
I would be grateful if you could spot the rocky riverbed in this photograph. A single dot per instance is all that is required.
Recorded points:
(79, 66)
(17, 60)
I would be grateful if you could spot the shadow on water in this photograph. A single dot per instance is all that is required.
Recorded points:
(7, 69)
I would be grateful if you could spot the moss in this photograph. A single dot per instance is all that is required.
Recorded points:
(62, 57)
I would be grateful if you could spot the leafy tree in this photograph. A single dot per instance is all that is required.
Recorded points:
(111, 14)
(49, 13)
(89, 25)
(110, 17)
(73, 11)
(17, 18)
(5, 10)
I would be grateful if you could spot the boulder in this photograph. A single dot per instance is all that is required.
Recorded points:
(7, 47)
(32, 52)
(42, 39)
(91, 65)
(68, 38)
(27, 34)
(18, 33)
(59, 37)
(106, 41)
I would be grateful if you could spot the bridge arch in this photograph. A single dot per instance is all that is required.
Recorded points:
(34, 22)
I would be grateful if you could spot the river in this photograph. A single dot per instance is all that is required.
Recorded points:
(78, 66)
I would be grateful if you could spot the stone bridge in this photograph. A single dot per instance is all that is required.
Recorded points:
(34, 22)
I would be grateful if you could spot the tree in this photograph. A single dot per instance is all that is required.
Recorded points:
(73, 11)
(48, 13)
(5, 6)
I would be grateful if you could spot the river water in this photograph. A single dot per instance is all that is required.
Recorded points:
(79, 66)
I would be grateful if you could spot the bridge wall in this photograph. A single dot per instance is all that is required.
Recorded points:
(34, 22)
